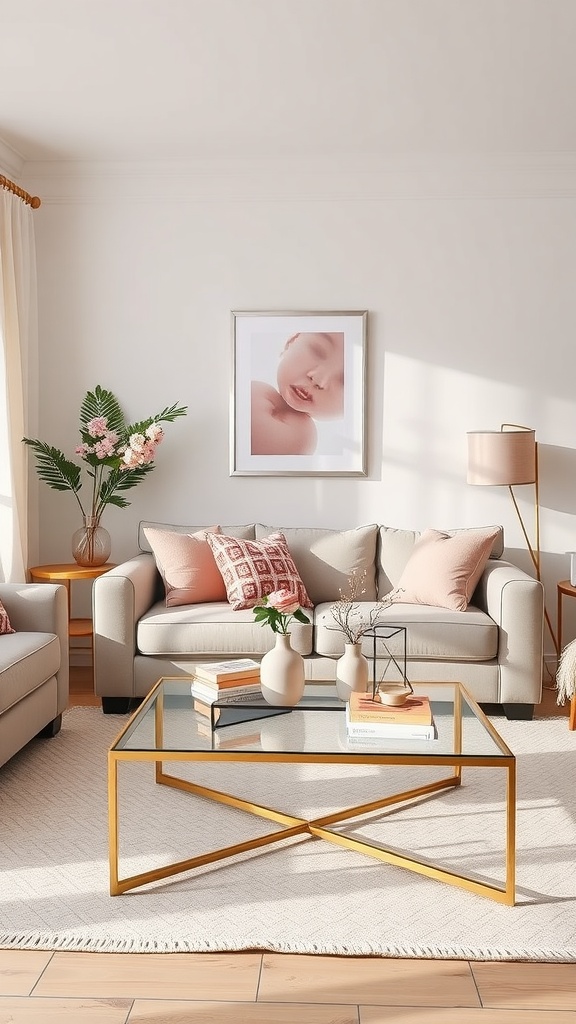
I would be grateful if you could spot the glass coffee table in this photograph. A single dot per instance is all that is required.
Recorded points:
(166, 728)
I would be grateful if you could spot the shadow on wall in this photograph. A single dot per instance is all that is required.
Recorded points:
(557, 478)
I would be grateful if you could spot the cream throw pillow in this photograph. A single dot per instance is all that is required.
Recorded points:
(186, 565)
(444, 569)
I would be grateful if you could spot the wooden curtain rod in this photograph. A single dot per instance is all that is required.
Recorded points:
(11, 186)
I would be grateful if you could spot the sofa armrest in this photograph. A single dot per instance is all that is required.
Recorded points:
(119, 599)
(41, 608)
(515, 601)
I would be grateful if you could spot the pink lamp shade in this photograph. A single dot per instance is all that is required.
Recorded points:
(498, 457)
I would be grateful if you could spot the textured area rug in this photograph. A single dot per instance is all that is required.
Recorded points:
(301, 896)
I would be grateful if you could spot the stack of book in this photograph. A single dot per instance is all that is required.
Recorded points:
(237, 681)
(368, 720)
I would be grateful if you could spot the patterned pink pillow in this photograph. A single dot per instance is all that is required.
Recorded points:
(253, 568)
(5, 626)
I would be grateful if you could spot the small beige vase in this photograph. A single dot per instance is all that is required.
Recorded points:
(351, 672)
(282, 674)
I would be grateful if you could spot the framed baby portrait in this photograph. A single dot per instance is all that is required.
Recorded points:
(298, 394)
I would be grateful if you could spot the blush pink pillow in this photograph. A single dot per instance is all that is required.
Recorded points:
(253, 568)
(186, 565)
(5, 626)
(444, 569)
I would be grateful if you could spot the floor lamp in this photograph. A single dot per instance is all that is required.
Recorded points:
(508, 457)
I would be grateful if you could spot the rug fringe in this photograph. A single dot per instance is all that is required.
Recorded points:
(566, 674)
(79, 944)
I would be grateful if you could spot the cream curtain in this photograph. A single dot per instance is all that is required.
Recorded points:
(18, 333)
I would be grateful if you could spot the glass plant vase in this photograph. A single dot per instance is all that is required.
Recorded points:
(91, 544)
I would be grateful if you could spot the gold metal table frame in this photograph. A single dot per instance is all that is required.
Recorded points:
(317, 827)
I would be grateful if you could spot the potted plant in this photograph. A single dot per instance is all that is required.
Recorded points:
(118, 456)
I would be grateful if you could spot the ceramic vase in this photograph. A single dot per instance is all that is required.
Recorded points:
(91, 544)
(282, 674)
(351, 672)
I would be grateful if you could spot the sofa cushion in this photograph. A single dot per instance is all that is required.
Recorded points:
(26, 661)
(435, 634)
(395, 547)
(186, 565)
(443, 569)
(251, 569)
(5, 626)
(213, 629)
(247, 532)
(326, 558)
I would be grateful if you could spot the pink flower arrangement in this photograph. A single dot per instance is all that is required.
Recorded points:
(118, 455)
(278, 609)
(139, 451)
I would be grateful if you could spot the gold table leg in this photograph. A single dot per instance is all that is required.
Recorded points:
(294, 826)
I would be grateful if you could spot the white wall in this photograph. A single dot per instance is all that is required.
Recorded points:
(468, 276)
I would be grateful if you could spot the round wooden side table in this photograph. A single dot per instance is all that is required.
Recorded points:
(565, 589)
(67, 573)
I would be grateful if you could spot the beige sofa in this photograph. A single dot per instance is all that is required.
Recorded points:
(494, 646)
(33, 664)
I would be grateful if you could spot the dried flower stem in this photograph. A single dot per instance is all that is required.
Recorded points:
(346, 611)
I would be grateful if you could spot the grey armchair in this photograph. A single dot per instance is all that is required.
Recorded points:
(34, 682)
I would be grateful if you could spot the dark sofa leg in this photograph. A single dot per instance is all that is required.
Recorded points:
(120, 705)
(519, 712)
(52, 729)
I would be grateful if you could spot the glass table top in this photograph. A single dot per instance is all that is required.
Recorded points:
(166, 721)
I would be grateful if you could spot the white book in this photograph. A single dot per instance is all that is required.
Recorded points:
(234, 695)
(392, 732)
(239, 668)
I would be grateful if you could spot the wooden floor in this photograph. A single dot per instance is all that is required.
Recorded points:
(264, 988)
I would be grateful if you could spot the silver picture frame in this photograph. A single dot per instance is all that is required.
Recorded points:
(298, 393)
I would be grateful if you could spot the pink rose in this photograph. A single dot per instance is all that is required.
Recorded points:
(137, 442)
(97, 426)
(155, 433)
(284, 601)
(130, 459)
(104, 448)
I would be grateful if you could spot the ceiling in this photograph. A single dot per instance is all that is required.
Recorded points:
(125, 80)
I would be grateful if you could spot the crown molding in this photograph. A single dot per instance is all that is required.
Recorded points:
(363, 178)
(11, 163)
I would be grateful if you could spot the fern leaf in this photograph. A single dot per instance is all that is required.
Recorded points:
(101, 402)
(167, 415)
(54, 468)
